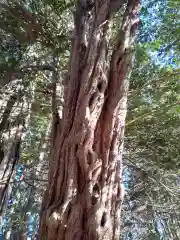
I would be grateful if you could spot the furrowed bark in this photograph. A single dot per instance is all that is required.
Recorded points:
(84, 196)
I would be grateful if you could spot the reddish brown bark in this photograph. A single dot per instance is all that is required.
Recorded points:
(84, 195)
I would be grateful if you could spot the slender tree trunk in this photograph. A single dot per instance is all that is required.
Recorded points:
(84, 195)
(17, 236)
(7, 111)
(12, 154)
(6, 173)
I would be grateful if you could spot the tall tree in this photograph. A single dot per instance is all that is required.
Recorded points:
(84, 194)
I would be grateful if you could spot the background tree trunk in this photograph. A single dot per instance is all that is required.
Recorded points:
(84, 195)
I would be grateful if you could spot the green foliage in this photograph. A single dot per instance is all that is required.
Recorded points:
(154, 114)
(152, 125)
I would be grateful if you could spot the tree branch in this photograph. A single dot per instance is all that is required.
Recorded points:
(19, 73)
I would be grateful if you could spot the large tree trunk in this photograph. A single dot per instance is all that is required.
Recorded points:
(84, 195)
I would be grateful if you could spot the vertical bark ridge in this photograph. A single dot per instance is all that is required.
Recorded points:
(113, 116)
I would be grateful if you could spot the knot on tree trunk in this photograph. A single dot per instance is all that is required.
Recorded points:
(99, 224)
